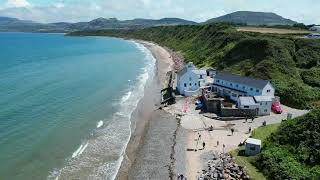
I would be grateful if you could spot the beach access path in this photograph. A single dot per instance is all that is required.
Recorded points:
(195, 123)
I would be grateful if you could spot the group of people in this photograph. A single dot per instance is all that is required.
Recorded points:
(203, 143)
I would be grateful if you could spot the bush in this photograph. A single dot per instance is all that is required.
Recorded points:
(293, 151)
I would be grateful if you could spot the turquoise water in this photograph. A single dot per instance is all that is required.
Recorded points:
(65, 101)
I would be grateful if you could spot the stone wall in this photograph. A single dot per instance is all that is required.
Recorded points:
(234, 112)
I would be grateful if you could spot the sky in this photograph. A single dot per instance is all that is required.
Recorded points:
(305, 11)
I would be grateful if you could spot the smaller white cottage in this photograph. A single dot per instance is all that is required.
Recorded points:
(190, 79)
(265, 103)
(253, 147)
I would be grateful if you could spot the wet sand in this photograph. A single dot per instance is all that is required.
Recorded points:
(157, 146)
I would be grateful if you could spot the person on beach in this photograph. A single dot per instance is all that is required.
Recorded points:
(203, 145)
(181, 177)
(217, 143)
(232, 131)
(249, 129)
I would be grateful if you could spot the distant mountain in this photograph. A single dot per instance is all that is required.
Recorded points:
(13, 24)
(253, 18)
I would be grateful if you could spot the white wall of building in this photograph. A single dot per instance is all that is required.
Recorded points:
(268, 90)
(188, 81)
(264, 108)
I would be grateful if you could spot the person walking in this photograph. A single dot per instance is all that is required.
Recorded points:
(249, 129)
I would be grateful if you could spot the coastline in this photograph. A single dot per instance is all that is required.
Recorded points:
(156, 135)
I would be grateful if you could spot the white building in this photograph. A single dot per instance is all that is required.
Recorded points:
(315, 28)
(190, 79)
(253, 146)
(313, 36)
(265, 103)
(234, 86)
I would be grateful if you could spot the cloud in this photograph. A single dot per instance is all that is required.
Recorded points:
(17, 3)
(201, 10)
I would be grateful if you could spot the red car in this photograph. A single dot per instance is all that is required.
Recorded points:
(276, 108)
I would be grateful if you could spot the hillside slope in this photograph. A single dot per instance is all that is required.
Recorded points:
(291, 64)
(13, 24)
(293, 151)
(253, 18)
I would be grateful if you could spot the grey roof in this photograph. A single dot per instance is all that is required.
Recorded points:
(199, 71)
(263, 98)
(257, 83)
(183, 71)
(253, 141)
(246, 101)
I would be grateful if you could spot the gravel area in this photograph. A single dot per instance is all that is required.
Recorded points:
(153, 159)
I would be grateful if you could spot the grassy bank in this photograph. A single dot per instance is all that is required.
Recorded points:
(260, 133)
(290, 150)
(292, 64)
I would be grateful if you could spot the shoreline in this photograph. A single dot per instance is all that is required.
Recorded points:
(146, 119)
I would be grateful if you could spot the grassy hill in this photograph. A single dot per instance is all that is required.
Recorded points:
(291, 64)
(293, 151)
(253, 18)
(13, 24)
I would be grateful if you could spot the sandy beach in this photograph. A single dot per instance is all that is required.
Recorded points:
(157, 146)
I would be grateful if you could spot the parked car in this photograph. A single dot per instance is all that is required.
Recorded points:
(276, 108)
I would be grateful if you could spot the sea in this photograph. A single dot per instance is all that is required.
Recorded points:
(66, 104)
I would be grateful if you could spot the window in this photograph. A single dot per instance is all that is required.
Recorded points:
(243, 87)
(257, 90)
(231, 84)
(268, 90)
(252, 148)
(195, 84)
(261, 103)
(185, 84)
(234, 95)
(246, 107)
(266, 103)
(190, 79)
(265, 110)
(200, 76)
(237, 85)
(218, 81)
(190, 84)
(251, 89)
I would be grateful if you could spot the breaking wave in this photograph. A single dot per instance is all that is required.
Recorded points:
(100, 157)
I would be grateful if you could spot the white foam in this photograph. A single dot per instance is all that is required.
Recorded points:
(84, 148)
(100, 123)
(76, 153)
(126, 97)
(80, 150)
